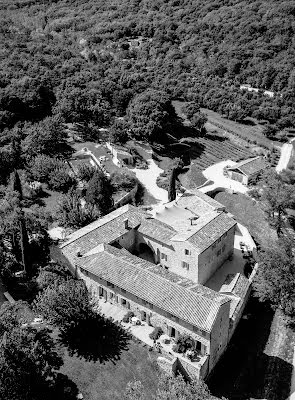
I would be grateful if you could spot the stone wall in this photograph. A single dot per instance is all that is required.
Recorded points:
(154, 316)
(127, 198)
(169, 367)
(219, 334)
(210, 261)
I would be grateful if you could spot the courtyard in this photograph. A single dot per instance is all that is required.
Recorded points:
(238, 261)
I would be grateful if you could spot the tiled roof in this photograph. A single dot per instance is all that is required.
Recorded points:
(250, 166)
(198, 202)
(156, 229)
(190, 306)
(212, 231)
(104, 230)
(237, 286)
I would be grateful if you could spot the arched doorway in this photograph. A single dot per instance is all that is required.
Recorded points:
(146, 252)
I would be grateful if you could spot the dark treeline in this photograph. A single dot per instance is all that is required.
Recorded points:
(91, 61)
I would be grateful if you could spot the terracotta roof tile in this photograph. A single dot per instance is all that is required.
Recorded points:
(250, 166)
(212, 231)
(191, 306)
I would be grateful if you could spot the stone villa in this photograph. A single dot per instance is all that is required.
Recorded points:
(157, 265)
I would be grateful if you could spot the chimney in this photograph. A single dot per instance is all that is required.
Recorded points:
(126, 223)
(79, 254)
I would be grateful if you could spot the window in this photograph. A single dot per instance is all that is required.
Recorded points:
(164, 256)
(223, 248)
(186, 252)
(214, 245)
(185, 265)
(219, 240)
(225, 235)
(176, 319)
(219, 252)
(123, 291)
(143, 302)
(195, 329)
(123, 301)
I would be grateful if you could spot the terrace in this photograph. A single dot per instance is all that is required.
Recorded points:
(142, 331)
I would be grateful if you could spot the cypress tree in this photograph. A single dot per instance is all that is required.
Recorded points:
(24, 244)
(172, 189)
(16, 184)
(99, 192)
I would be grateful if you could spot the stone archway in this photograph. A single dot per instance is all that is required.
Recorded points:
(145, 252)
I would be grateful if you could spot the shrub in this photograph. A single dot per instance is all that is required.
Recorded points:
(127, 316)
(41, 167)
(123, 180)
(60, 179)
(183, 343)
(85, 172)
(156, 333)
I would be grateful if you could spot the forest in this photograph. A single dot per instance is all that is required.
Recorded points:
(92, 61)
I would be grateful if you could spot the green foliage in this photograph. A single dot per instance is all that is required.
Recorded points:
(172, 188)
(85, 172)
(270, 130)
(73, 213)
(123, 180)
(41, 167)
(150, 113)
(177, 389)
(134, 391)
(99, 192)
(275, 279)
(183, 343)
(127, 316)
(278, 197)
(46, 137)
(61, 179)
(64, 303)
(28, 359)
(52, 274)
(171, 388)
(156, 333)
(16, 184)
(119, 132)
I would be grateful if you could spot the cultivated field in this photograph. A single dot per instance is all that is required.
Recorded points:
(247, 131)
(211, 149)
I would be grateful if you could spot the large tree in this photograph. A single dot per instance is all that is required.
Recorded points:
(99, 192)
(275, 279)
(72, 212)
(278, 196)
(150, 114)
(65, 303)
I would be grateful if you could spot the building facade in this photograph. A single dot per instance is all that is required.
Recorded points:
(157, 265)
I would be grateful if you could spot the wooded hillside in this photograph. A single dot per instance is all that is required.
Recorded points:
(85, 61)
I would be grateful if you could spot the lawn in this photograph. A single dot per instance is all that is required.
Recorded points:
(249, 213)
(258, 361)
(108, 381)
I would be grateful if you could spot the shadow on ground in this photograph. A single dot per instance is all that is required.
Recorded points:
(245, 371)
(95, 338)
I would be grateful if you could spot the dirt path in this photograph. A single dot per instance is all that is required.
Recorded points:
(148, 177)
(215, 174)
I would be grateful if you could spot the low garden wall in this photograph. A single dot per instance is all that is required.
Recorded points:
(127, 198)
